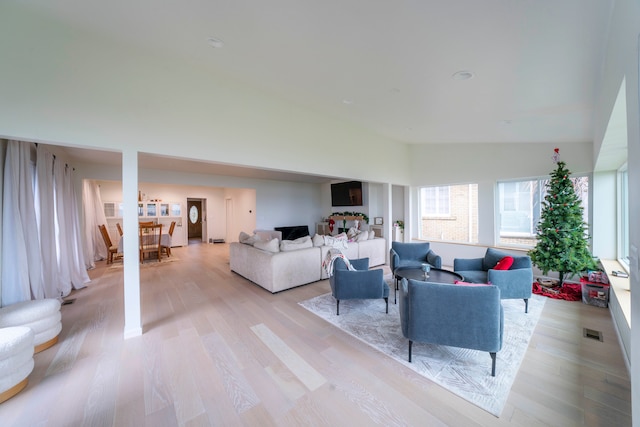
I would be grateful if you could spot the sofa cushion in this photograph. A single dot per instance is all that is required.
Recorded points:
(247, 239)
(504, 264)
(474, 276)
(269, 246)
(268, 234)
(318, 240)
(294, 245)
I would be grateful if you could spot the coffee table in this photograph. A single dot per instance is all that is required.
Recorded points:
(436, 275)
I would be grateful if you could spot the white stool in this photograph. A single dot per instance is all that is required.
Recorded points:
(16, 360)
(42, 316)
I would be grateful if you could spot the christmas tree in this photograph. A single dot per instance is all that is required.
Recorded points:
(562, 233)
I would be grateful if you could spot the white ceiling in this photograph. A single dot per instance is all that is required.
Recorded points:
(537, 64)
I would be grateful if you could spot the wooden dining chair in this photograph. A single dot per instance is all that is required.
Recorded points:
(150, 240)
(167, 249)
(119, 228)
(111, 249)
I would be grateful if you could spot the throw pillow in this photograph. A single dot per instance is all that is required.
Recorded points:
(372, 234)
(293, 245)
(318, 240)
(362, 237)
(504, 264)
(267, 234)
(246, 239)
(461, 283)
(269, 246)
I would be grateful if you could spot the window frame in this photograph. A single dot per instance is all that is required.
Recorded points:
(622, 223)
(541, 183)
(452, 216)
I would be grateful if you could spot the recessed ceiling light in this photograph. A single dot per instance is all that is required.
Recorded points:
(462, 75)
(215, 43)
(347, 101)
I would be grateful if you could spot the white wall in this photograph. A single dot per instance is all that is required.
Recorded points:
(622, 62)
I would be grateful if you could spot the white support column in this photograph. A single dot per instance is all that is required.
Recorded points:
(387, 203)
(132, 316)
(410, 216)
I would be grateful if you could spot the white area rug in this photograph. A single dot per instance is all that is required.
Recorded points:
(464, 372)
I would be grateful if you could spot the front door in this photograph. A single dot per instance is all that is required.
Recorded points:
(194, 211)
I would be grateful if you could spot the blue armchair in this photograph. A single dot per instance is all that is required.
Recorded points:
(412, 255)
(454, 315)
(514, 283)
(359, 284)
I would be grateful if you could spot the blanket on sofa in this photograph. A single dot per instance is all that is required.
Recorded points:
(331, 257)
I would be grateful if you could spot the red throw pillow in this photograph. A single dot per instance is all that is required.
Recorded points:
(504, 264)
(461, 283)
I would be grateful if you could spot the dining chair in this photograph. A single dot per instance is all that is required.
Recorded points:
(119, 228)
(167, 249)
(111, 249)
(150, 240)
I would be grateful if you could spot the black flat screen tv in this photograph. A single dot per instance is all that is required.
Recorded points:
(346, 194)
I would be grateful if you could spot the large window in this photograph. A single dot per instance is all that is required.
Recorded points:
(520, 205)
(449, 213)
(623, 216)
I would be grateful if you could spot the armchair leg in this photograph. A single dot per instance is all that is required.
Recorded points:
(337, 307)
(395, 292)
(410, 343)
(493, 364)
(526, 305)
(386, 301)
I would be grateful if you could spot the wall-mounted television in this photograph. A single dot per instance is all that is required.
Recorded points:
(346, 193)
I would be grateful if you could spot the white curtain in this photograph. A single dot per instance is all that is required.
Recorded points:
(95, 248)
(15, 267)
(41, 244)
(45, 212)
(79, 276)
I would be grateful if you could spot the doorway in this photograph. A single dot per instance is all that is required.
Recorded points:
(196, 220)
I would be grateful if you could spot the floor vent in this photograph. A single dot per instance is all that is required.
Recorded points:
(68, 301)
(218, 240)
(593, 334)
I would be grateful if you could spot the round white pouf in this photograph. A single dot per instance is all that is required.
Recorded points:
(16, 360)
(42, 316)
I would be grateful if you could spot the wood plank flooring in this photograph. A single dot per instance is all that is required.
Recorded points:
(219, 350)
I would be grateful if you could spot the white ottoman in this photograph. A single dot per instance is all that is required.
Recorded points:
(16, 360)
(42, 316)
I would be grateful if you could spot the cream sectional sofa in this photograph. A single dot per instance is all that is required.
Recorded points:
(277, 271)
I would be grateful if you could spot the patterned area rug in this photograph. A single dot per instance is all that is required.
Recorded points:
(464, 372)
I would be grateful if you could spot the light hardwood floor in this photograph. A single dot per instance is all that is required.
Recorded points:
(219, 350)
